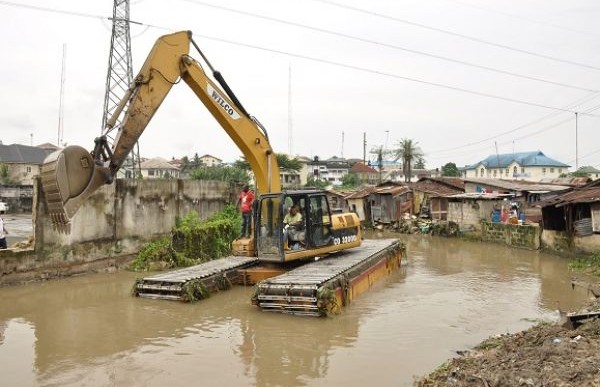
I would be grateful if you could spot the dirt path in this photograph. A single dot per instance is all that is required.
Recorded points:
(544, 355)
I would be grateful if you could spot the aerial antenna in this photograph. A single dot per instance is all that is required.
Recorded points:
(61, 99)
(120, 72)
(290, 133)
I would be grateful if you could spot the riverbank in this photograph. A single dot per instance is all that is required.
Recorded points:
(544, 355)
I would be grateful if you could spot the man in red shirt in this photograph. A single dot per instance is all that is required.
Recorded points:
(245, 205)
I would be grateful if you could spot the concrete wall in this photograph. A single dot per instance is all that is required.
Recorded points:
(527, 236)
(110, 226)
(562, 242)
(470, 212)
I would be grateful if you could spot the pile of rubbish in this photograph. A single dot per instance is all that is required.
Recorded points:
(561, 354)
(411, 224)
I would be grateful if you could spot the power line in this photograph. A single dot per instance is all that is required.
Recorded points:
(334, 63)
(54, 10)
(472, 38)
(521, 17)
(383, 44)
(396, 76)
(530, 123)
(543, 129)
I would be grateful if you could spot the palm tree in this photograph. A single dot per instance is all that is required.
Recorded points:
(408, 151)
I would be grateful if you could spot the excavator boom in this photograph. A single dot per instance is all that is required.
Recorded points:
(71, 175)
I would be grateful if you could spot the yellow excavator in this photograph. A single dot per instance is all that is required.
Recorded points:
(71, 175)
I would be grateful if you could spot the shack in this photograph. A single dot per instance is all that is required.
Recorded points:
(470, 209)
(359, 204)
(389, 202)
(571, 220)
(430, 196)
(525, 193)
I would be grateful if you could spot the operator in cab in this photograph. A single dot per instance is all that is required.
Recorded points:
(293, 234)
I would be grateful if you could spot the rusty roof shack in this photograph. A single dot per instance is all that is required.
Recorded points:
(430, 196)
(389, 202)
(526, 193)
(384, 203)
(576, 212)
(359, 204)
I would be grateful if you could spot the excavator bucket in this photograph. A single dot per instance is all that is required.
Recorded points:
(68, 178)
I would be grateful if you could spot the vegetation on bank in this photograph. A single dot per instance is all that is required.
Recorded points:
(192, 241)
(589, 264)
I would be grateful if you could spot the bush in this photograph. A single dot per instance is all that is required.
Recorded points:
(192, 241)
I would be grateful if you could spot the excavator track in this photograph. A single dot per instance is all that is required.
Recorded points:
(313, 289)
(171, 285)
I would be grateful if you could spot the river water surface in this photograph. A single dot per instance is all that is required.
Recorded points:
(449, 295)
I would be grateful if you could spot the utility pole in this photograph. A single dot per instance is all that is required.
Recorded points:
(119, 76)
(364, 156)
(290, 132)
(576, 141)
(61, 99)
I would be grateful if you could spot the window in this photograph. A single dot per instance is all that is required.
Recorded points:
(494, 173)
(544, 171)
(523, 170)
(551, 170)
(507, 171)
(151, 172)
(515, 171)
(28, 169)
(482, 172)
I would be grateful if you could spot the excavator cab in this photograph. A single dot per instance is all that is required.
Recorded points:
(279, 242)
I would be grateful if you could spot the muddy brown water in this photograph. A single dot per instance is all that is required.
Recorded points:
(449, 295)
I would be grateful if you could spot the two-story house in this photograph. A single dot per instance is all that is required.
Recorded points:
(158, 168)
(21, 163)
(331, 170)
(210, 161)
(523, 165)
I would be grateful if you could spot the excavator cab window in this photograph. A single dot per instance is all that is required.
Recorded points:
(319, 221)
(268, 223)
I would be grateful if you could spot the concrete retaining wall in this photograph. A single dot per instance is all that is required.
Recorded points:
(527, 236)
(560, 241)
(110, 227)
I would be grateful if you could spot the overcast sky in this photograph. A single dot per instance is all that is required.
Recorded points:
(460, 77)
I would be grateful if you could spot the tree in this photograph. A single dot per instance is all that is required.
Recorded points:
(283, 161)
(316, 183)
(420, 164)
(5, 177)
(286, 163)
(407, 151)
(349, 180)
(450, 169)
(221, 173)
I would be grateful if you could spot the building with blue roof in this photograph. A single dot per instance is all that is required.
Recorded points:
(522, 165)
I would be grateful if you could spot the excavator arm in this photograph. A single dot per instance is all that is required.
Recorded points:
(71, 175)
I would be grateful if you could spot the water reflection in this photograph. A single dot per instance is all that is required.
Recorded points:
(448, 295)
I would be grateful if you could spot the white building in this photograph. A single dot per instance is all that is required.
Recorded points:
(523, 165)
(158, 168)
(210, 161)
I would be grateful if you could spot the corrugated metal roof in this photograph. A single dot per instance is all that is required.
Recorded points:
(361, 193)
(480, 195)
(587, 194)
(436, 188)
(517, 185)
(391, 190)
